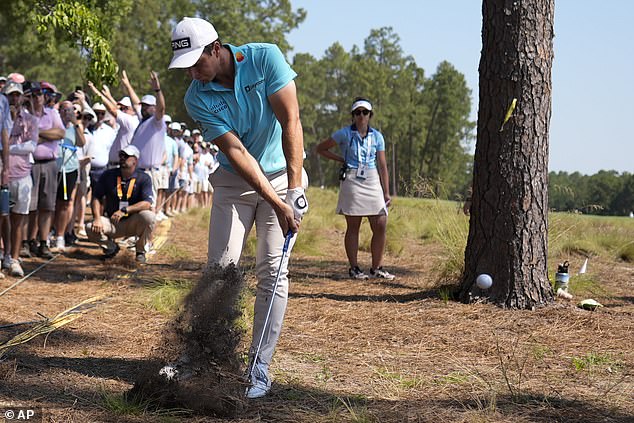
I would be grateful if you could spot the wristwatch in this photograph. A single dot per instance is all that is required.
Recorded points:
(124, 210)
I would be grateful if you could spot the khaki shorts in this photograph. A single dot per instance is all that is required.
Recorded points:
(20, 195)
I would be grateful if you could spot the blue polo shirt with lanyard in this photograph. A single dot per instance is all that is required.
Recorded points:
(261, 70)
(67, 160)
(116, 189)
(356, 149)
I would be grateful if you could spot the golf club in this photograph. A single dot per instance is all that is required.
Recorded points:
(287, 242)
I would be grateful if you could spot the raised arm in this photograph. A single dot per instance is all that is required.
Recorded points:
(136, 102)
(109, 102)
(159, 112)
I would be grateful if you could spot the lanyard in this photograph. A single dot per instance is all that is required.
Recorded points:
(130, 188)
(359, 147)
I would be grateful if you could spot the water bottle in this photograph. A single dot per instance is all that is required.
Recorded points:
(562, 277)
(4, 200)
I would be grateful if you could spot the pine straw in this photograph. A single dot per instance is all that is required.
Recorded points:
(408, 355)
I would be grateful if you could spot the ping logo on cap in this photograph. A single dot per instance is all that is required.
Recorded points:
(181, 43)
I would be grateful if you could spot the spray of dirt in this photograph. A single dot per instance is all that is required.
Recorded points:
(198, 366)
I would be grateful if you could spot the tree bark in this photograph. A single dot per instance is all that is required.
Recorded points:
(508, 231)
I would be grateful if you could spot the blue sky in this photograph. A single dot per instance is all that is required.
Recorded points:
(593, 72)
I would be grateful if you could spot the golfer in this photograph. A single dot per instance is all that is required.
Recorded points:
(244, 100)
(364, 188)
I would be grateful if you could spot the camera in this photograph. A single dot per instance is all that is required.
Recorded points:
(342, 172)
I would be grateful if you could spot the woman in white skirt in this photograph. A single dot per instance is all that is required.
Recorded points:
(364, 186)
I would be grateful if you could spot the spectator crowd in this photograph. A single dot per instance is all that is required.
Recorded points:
(125, 158)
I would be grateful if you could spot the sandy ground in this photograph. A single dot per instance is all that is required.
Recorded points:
(359, 351)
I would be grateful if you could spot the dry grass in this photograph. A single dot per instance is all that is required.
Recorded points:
(350, 351)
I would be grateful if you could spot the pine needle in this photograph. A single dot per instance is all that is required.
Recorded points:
(49, 325)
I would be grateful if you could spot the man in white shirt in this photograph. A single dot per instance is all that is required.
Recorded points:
(125, 116)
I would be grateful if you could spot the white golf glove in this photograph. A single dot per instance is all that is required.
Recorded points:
(296, 198)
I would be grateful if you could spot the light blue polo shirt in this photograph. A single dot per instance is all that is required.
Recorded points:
(355, 149)
(67, 160)
(261, 70)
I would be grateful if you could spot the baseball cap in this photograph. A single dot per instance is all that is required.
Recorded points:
(17, 77)
(167, 118)
(196, 131)
(148, 99)
(125, 101)
(48, 86)
(175, 126)
(131, 150)
(361, 103)
(31, 86)
(3, 79)
(98, 107)
(13, 87)
(189, 39)
(186, 133)
(88, 112)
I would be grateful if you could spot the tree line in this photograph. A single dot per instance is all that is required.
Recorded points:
(605, 193)
(425, 119)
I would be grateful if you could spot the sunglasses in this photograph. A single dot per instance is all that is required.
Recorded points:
(359, 112)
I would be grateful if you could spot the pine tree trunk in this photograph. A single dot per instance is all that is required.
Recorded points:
(508, 231)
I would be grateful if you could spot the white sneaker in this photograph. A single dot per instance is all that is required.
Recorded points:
(380, 273)
(16, 269)
(60, 244)
(82, 232)
(357, 273)
(260, 382)
(161, 216)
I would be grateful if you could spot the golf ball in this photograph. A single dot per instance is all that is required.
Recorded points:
(484, 281)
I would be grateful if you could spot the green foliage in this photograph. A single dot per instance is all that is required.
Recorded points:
(418, 143)
(83, 25)
(604, 193)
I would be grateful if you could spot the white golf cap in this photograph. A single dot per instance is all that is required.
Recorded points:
(148, 99)
(167, 118)
(175, 126)
(361, 103)
(125, 101)
(189, 39)
(131, 150)
(98, 107)
(186, 133)
(196, 131)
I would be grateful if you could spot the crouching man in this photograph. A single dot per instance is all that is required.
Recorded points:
(121, 202)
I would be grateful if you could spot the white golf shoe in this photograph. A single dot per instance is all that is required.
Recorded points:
(260, 382)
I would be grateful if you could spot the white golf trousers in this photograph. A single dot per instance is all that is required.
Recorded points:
(235, 208)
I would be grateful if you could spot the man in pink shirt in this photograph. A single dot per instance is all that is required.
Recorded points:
(22, 143)
(51, 131)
